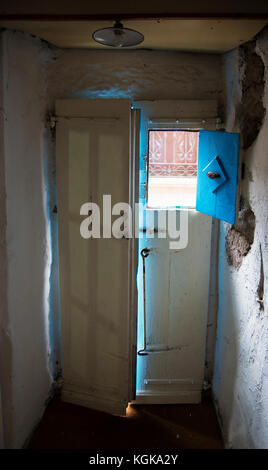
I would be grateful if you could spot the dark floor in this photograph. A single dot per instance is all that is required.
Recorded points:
(66, 426)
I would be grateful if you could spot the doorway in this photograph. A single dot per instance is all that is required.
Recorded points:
(104, 365)
(173, 284)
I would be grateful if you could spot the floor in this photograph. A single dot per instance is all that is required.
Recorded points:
(67, 426)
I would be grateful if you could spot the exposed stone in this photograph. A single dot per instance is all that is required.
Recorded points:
(240, 237)
(251, 111)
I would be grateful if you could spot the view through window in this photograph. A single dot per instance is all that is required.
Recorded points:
(172, 171)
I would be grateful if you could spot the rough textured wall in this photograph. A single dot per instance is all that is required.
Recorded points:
(27, 234)
(139, 75)
(250, 111)
(241, 366)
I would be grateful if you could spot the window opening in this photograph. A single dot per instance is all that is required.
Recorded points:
(172, 168)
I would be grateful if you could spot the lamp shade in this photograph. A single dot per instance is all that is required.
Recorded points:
(118, 36)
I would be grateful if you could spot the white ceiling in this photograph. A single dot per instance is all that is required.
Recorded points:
(206, 35)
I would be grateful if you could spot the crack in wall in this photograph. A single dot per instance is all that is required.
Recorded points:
(260, 289)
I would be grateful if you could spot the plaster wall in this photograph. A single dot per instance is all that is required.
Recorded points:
(241, 366)
(28, 253)
(139, 75)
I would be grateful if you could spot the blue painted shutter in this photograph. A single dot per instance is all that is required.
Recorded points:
(218, 153)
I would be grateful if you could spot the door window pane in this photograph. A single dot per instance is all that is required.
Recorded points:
(172, 172)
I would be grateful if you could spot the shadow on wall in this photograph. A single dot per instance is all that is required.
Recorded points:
(234, 349)
(226, 350)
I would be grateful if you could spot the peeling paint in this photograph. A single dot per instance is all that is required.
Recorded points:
(251, 110)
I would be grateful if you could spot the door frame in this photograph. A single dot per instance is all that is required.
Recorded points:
(133, 247)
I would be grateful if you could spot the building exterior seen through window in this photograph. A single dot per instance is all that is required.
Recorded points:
(172, 168)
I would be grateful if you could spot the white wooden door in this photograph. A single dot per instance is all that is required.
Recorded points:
(176, 286)
(176, 281)
(97, 275)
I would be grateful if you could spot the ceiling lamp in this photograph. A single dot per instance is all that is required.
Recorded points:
(118, 36)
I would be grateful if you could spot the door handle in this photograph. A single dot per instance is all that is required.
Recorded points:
(213, 174)
(145, 252)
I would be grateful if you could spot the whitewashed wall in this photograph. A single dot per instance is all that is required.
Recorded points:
(241, 366)
(27, 237)
(140, 75)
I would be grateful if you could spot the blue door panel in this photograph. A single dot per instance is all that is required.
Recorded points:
(217, 175)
